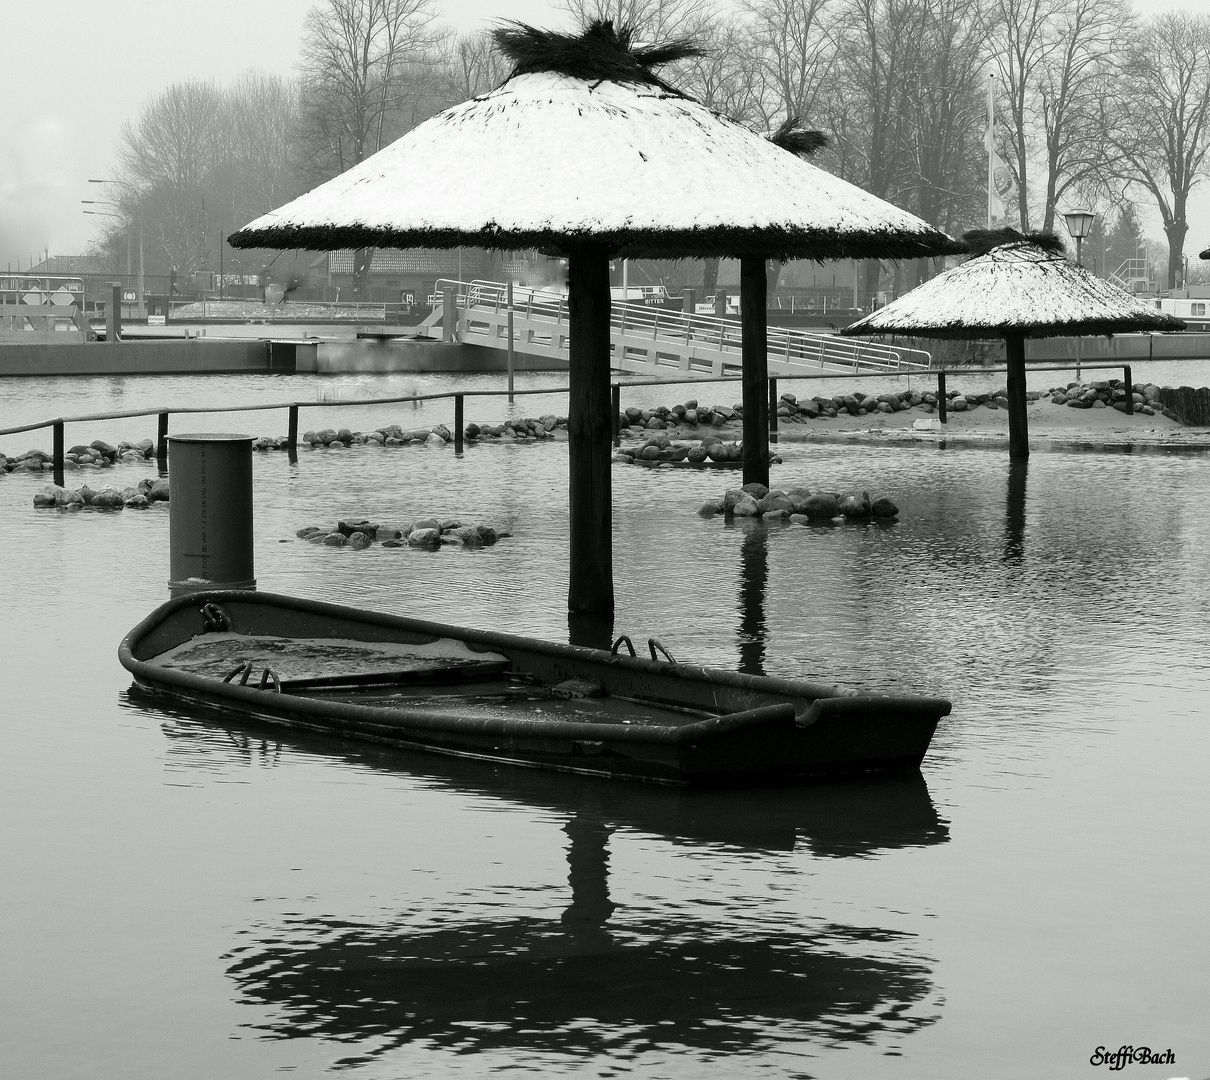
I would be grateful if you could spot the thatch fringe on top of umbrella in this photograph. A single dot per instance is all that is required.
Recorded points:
(1018, 287)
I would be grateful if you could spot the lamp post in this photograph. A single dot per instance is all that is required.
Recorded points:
(141, 291)
(1079, 225)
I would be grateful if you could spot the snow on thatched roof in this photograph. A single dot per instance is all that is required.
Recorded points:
(553, 161)
(1021, 287)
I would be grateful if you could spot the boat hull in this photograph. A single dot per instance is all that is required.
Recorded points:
(690, 725)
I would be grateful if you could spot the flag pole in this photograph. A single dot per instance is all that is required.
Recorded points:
(990, 143)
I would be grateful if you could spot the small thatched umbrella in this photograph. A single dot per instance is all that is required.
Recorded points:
(1016, 286)
(584, 152)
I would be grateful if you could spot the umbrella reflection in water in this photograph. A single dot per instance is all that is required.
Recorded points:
(460, 976)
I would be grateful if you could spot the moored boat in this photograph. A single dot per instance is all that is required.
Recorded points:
(482, 694)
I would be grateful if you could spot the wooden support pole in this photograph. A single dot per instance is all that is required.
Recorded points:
(942, 400)
(458, 402)
(161, 442)
(58, 453)
(1129, 383)
(292, 430)
(1018, 423)
(773, 403)
(510, 340)
(617, 414)
(589, 429)
(754, 354)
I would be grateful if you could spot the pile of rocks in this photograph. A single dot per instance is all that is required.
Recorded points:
(1111, 394)
(798, 505)
(430, 533)
(660, 449)
(541, 427)
(109, 498)
(690, 413)
(96, 455)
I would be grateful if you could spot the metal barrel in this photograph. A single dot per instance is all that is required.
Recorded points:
(210, 512)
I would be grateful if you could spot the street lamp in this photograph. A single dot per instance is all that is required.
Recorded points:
(142, 292)
(1079, 225)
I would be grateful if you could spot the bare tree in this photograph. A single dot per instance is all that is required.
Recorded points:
(652, 20)
(359, 71)
(1159, 122)
(796, 48)
(471, 65)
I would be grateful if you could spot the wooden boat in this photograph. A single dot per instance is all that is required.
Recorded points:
(481, 694)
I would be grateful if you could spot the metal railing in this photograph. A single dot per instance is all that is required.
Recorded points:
(646, 339)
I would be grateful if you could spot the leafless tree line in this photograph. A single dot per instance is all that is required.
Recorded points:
(1093, 104)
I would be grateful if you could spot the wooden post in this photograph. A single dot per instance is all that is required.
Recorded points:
(754, 353)
(942, 400)
(57, 451)
(510, 340)
(161, 443)
(1018, 424)
(449, 314)
(458, 423)
(590, 493)
(773, 400)
(1126, 378)
(617, 414)
(292, 430)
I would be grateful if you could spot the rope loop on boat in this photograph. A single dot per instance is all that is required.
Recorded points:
(622, 639)
(244, 670)
(654, 644)
(270, 675)
(214, 619)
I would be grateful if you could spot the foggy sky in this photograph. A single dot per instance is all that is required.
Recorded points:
(75, 70)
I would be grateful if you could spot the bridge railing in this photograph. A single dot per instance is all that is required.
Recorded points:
(792, 346)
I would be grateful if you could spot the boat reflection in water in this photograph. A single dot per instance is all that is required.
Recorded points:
(598, 978)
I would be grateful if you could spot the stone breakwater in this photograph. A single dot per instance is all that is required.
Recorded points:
(660, 450)
(108, 498)
(539, 427)
(96, 455)
(429, 533)
(799, 505)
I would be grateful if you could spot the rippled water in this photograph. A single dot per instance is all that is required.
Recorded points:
(185, 898)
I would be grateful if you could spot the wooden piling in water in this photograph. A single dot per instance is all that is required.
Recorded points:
(57, 452)
(754, 354)
(458, 423)
(1018, 422)
(589, 399)
(617, 414)
(773, 403)
(1129, 383)
(292, 430)
(942, 400)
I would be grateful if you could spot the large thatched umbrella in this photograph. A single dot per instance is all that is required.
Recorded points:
(584, 152)
(1016, 286)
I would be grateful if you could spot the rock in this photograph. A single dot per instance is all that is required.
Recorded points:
(86, 493)
(353, 526)
(1098, 404)
(1077, 403)
(691, 417)
(1059, 399)
(883, 508)
(45, 495)
(487, 535)
(797, 498)
(359, 540)
(146, 447)
(822, 506)
(757, 491)
(68, 499)
(623, 458)
(426, 523)
(434, 440)
(959, 404)
(710, 508)
(697, 455)
(106, 499)
(471, 431)
(775, 500)
(392, 543)
(1001, 401)
(319, 536)
(449, 524)
(136, 502)
(650, 453)
(776, 515)
(746, 507)
(335, 539)
(424, 538)
(387, 532)
(158, 492)
(718, 452)
(104, 448)
(799, 519)
(854, 505)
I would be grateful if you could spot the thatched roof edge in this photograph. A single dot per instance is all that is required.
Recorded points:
(774, 243)
(1091, 328)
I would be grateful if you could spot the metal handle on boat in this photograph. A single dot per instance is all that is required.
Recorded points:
(653, 644)
(244, 670)
(214, 618)
(267, 675)
(622, 639)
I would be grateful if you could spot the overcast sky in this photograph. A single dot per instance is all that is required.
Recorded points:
(73, 77)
